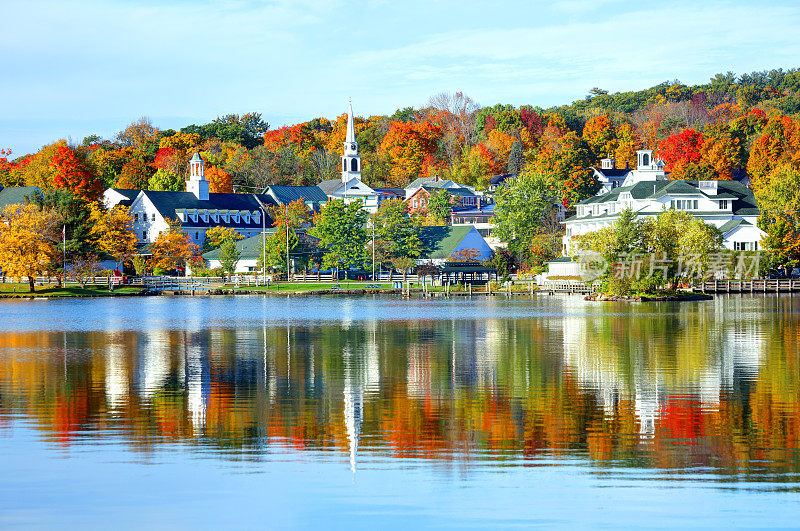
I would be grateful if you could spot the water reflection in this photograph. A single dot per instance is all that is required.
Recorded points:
(708, 386)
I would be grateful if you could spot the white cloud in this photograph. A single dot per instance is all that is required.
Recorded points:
(661, 43)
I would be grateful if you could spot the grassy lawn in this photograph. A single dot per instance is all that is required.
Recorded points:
(69, 290)
(296, 287)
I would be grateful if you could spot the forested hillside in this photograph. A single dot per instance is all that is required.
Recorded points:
(729, 127)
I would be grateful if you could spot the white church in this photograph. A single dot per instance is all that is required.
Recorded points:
(350, 187)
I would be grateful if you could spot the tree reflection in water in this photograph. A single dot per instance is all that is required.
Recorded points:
(660, 386)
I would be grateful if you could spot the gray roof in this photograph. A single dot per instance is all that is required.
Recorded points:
(307, 194)
(732, 224)
(744, 202)
(168, 203)
(330, 186)
(17, 194)
(462, 192)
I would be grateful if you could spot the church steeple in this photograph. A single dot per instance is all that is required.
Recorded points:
(351, 162)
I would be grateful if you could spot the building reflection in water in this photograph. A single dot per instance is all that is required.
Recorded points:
(629, 386)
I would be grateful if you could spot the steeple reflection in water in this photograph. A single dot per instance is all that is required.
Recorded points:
(656, 386)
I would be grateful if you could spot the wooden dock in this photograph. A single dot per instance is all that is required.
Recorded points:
(567, 286)
(750, 286)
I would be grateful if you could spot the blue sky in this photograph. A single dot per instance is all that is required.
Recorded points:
(79, 67)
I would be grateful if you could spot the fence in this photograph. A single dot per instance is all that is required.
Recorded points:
(750, 286)
(180, 284)
(567, 286)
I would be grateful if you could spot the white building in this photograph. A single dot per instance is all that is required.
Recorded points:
(350, 187)
(609, 175)
(196, 209)
(728, 205)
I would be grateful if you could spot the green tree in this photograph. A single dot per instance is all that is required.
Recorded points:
(229, 255)
(525, 207)
(398, 233)
(166, 181)
(343, 232)
(76, 214)
(440, 205)
(779, 202)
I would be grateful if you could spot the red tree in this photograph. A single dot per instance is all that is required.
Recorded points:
(679, 150)
(72, 174)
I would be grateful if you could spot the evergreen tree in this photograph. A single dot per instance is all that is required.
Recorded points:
(516, 158)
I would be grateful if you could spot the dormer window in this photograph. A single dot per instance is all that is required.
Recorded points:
(256, 217)
(723, 204)
(204, 216)
(215, 216)
(236, 217)
(246, 216)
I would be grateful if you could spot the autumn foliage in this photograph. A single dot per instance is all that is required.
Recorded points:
(72, 174)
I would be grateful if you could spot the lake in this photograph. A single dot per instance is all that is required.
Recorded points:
(378, 412)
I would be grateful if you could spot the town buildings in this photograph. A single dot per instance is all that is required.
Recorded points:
(197, 209)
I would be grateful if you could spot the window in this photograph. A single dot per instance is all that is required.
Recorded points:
(723, 204)
(645, 160)
(344, 164)
(353, 165)
(684, 204)
(196, 236)
(144, 234)
(153, 217)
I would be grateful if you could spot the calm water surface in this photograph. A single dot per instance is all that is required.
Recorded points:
(389, 413)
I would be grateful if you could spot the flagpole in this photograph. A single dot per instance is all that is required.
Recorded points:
(64, 248)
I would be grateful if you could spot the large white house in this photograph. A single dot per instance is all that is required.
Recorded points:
(728, 205)
(196, 209)
(350, 187)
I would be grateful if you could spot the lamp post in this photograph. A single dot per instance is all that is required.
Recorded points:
(263, 245)
(287, 241)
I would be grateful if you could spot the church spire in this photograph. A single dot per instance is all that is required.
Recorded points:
(351, 162)
(351, 128)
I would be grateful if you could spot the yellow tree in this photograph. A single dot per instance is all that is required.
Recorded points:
(216, 236)
(172, 248)
(114, 233)
(28, 237)
(599, 133)
(628, 142)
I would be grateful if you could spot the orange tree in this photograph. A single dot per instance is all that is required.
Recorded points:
(406, 145)
(219, 180)
(172, 248)
(601, 137)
